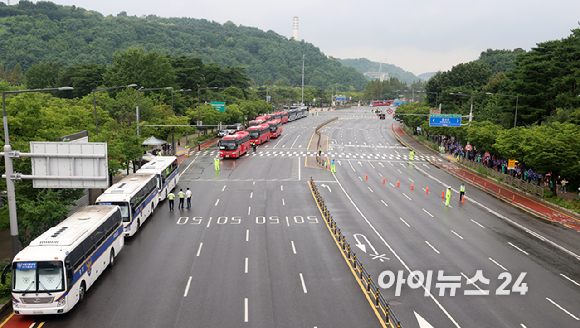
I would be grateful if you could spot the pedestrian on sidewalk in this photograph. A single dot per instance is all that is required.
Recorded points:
(170, 196)
(188, 196)
(181, 195)
(563, 183)
(448, 196)
(461, 192)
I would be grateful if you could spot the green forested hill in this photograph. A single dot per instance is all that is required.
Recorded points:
(363, 65)
(45, 32)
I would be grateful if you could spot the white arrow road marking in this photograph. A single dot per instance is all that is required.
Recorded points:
(360, 245)
(359, 163)
(381, 164)
(422, 322)
(325, 186)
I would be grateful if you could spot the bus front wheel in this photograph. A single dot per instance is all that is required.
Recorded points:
(112, 259)
(82, 292)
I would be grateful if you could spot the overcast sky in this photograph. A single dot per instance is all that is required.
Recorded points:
(417, 35)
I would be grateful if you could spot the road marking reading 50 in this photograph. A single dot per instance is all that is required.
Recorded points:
(237, 220)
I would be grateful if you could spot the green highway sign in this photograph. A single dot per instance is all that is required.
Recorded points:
(219, 105)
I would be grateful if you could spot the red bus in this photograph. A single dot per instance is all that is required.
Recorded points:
(264, 118)
(257, 121)
(284, 118)
(235, 145)
(276, 116)
(259, 133)
(275, 128)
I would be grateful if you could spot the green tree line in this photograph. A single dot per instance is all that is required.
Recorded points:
(72, 36)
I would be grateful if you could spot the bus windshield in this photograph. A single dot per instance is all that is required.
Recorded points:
(254, 134)
(124, 209)
(37, 277)
(228, 145)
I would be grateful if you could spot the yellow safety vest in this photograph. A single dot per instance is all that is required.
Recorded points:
(170, 196)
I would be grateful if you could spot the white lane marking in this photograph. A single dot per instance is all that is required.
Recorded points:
(577, 284)
(471, 282)
(519, 249)
(411, 180)
(199, 249)
(561, 308)
(187, 286)
(436, 251)
(352, 167)
(249, 208)
(381, 164)
(293, 248)
(371, 164)
(247, 234)
(298, 158)
(523, 326)
(455, 233)
(216, 202)
(246, 266)
(251, 194)
(281, 188)
(283, 203)
(406, 196)
(392, 185)
(303, 284)
(499, 265)
(424, 210)
(254, 183)
(224, 188)
(370, 189)
(183, 172)
(209, 222)
(390, 163)
(531, 232)
(360, 178)
(246, 309)
(287, 222)
(472, 220)
(405, 222)
(397, 255)
(382, 201)
(399, 171)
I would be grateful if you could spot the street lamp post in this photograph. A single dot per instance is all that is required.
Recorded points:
(198, 117)
(517, 99)
(95, 103)
(303, 56)
(8, 154)
(139, 103)
(173, 113)
(465, 95)
(436, 94)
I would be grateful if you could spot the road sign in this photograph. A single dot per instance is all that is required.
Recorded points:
(450, 120)
(468, 147)
(219, 105)
(390, 111)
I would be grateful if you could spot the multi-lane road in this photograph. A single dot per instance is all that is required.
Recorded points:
(253, 251)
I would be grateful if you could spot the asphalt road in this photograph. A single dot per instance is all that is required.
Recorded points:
(405, 230)
(253, 251)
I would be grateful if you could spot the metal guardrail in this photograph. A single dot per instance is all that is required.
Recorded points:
(506, 178)
(365, 278)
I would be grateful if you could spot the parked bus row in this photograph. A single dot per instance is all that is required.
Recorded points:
(260, 130)
(52, 274)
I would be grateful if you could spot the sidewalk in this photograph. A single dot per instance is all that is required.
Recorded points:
(509, 194)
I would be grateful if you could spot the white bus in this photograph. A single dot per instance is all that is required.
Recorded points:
(53, 273)
(136, 194)
(166, 169)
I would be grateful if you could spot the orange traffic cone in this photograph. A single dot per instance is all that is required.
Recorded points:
(427, 190)
(398, 184)
(383, 180)
(443, 194)
(367, 177)
(412, 188)
(463, 199)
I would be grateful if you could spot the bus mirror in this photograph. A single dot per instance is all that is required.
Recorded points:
(4, 273)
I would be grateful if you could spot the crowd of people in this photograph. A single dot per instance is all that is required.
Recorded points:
(455, 148)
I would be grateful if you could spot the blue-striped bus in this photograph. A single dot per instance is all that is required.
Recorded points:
(166, 169)
(136, 195)
(53, 273)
